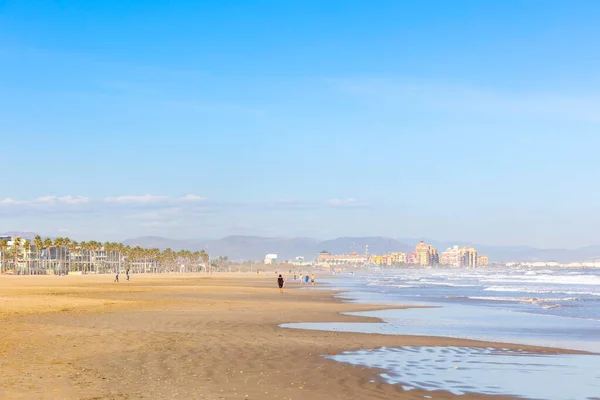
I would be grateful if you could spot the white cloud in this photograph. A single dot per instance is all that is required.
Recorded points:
(48, 199)
(192, 197)
(74, 199)
(44, 199)
(147, 198)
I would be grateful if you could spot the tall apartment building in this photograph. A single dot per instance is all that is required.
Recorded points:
(469, 257)
(426, 254)
(462, 257)
(451, 257)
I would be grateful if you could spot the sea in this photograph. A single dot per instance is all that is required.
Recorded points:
(557, 308)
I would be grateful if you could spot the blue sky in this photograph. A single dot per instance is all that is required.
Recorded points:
(463, 120)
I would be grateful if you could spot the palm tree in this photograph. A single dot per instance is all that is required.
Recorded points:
(3, 248)
(86, 255)
(27, 251)
(17, 242)
(71, 247)
(38, 243)
(95, 248)
(66, 243)
(48, 247)
(58, 242)
(205, 259)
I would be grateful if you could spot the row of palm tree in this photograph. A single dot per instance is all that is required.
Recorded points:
(63, 255)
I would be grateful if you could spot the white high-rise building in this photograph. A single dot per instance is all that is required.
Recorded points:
(270, 259)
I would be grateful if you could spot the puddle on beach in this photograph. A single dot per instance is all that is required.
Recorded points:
(492, 371)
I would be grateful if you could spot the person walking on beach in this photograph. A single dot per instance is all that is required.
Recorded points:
(116, 277)
(280, 283)
(127, 275)
(312, 280)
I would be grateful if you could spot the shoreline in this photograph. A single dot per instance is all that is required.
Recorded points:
(205, 337)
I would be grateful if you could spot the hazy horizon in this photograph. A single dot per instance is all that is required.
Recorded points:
(433, 119)
(403, 240)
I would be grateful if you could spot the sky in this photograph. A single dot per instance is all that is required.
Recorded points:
(466, 120)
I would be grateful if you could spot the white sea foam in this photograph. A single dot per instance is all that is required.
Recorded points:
(538, 290)
(521, 299)
(553, 279)
(434, 283)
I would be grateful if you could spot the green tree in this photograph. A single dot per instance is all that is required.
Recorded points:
(48, 247)
(27, 253)
(38, 243)
(3, 249)
(17, 243)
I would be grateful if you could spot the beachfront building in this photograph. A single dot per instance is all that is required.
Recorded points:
(463, 257)
(326, 257)
(397, 258)
(451, 257)
(270, 259)
(375, 259)
(468, 256)
(426, 254)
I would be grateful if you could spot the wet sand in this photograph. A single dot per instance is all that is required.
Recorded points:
(186, 337)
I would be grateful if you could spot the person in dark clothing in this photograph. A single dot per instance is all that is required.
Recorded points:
(117, 277)
(280, 283)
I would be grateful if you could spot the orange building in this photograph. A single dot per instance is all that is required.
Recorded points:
(451, 256)
(388, 259)
(468, 256)
(425, 254)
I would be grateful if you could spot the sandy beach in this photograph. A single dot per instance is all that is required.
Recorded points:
(185, 337)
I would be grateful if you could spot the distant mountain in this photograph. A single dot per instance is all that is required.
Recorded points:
(237, 247)
(162, 243)
(255, 247)
(377, 245)
(22, 235)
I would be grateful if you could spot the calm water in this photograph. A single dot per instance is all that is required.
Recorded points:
(557, 308)
(490, 371)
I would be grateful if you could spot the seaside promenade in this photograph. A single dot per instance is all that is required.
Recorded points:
(172, 336)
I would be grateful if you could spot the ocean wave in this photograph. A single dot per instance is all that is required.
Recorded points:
(524, 289)
(531, 300)
(422, 283)
(399, 286)
(552, 279)
(539, 272)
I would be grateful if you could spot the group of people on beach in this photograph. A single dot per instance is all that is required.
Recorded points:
(126, 274)
(304, 279)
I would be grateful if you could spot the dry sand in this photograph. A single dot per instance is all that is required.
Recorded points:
(184, 337)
